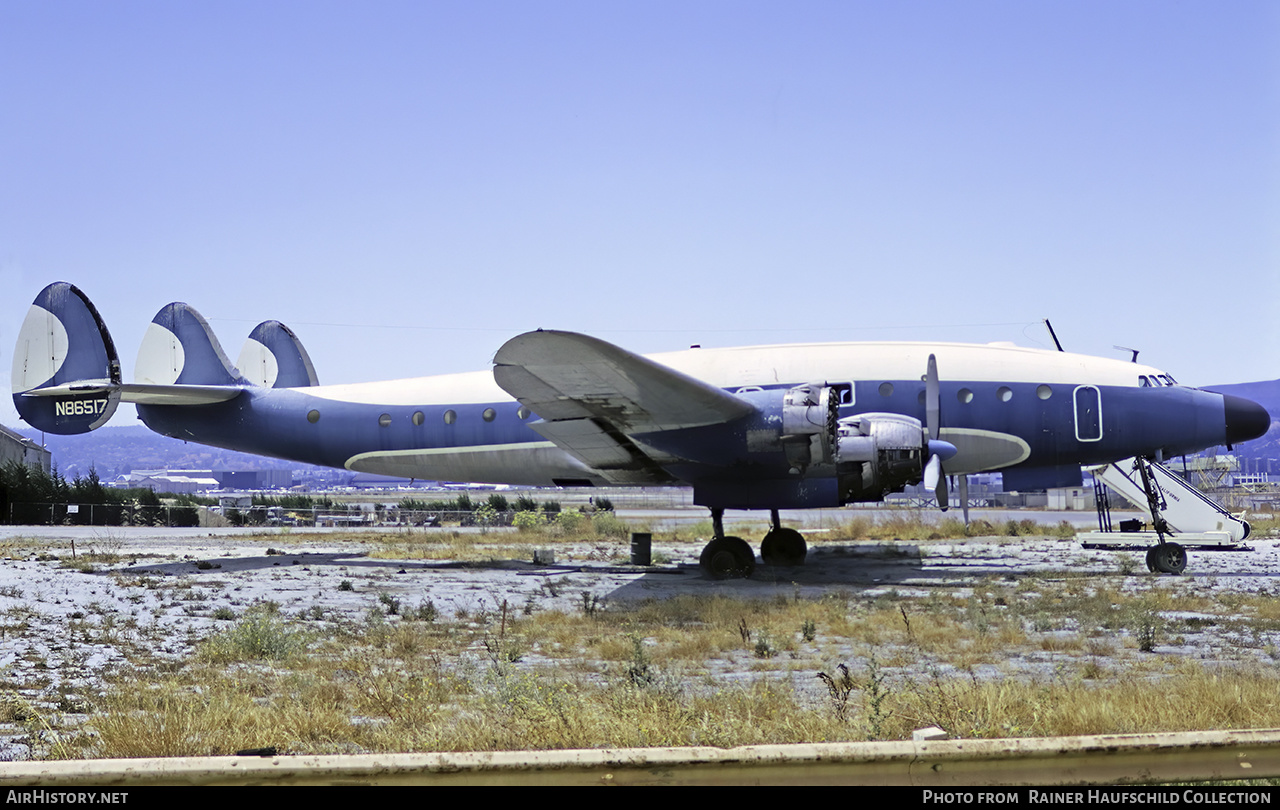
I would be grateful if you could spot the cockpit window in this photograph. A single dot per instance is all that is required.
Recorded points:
(1144, 381)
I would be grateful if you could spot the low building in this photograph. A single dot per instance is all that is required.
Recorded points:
(15, 447)
(175, 483)
(191, 481)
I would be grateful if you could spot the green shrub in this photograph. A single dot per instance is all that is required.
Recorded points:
(527, 520)
(261, 635)
(568, 522)
(607, 524)
(485, 515)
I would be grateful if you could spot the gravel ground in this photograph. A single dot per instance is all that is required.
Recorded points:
(160, 587)
(77, 602)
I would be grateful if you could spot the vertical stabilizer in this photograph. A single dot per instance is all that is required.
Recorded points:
(62, 344)
(274, 357)
(179, 348)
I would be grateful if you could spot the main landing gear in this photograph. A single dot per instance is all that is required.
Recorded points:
(731, 557)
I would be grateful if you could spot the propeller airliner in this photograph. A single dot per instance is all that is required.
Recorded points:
(756, 428)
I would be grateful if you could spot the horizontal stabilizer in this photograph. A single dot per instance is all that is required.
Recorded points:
(144, 394)
(64, 341)
(180, 348)
(273, 357)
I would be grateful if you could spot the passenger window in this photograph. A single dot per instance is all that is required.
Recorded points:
(450, 417)
(489, 414)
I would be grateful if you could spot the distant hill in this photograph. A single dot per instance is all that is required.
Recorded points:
(114, 451)
(1267, 394)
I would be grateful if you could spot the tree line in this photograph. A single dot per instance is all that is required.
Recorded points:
(32, 495)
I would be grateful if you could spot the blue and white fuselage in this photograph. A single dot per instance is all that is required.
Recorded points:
(763, 427)
(1005, 408)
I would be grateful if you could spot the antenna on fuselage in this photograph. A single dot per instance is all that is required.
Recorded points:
(1053, 335)
(1133, 359)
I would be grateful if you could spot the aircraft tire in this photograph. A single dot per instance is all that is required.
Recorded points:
(1151, 560)
(1169, 558)
(728, 558)
(783, 547)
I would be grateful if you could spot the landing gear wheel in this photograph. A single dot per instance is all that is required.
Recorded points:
(728, 558)
(783, 547)
(1151, 559)
(1167, 558)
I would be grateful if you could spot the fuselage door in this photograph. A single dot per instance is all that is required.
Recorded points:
(1088, 413)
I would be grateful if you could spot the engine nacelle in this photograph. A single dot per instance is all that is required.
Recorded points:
(789, 433)
(879, 453)
(809, 414)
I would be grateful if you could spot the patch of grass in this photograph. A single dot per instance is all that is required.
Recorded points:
(424, 612)
(808, 630)
(261, 634)
(391, 603)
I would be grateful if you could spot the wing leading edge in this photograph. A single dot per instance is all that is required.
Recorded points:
(594, 397)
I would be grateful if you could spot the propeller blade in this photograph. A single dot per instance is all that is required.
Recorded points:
(932, 472)
(964, 497)
(938, 450)
(931, 408)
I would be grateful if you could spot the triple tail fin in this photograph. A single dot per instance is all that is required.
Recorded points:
(274, 357)
(179, 348)
(66, 373)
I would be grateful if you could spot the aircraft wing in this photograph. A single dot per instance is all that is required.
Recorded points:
(593, 397)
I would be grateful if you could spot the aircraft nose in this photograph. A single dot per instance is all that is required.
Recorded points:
(1246, 419)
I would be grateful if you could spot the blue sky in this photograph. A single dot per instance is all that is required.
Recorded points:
(409, 184)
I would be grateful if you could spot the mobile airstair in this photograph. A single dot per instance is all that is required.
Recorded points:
(1182, 517)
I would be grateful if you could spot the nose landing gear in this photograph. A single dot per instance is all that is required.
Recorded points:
(1166, 558)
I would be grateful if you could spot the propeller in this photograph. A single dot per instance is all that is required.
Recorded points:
(939, 451)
